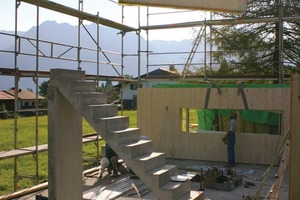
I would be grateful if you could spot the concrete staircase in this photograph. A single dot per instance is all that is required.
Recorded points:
(137, 153)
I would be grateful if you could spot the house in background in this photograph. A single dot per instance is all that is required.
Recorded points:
(158, 76)
(7, 101)
(27, 99)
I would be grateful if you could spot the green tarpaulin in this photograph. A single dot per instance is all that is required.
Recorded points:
(206, 118)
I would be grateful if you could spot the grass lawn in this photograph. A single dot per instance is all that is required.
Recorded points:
(26, 138)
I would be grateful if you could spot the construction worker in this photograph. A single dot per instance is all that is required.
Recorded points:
(110, 161)
(230, 136)
(104, 163)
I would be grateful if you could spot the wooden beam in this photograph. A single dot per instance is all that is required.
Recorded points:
(294, 175)
(211, 5)
(80, 14)
(25, 191)
(274, 190)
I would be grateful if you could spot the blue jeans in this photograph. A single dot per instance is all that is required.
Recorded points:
(230, 148)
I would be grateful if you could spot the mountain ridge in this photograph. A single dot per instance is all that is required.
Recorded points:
(110, 40)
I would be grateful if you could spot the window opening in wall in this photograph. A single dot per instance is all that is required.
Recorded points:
(249, 121)
(189, 120)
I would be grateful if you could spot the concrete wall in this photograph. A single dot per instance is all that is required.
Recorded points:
(159, 118)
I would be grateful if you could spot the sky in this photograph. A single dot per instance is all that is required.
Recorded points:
(108, 9)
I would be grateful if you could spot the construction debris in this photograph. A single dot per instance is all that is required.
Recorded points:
(219, 179)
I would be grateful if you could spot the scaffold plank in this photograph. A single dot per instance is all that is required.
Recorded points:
(212, 5)
(80, 14)
(44, 147)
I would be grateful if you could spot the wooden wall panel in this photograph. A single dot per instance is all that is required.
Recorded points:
(294, 175)
(163, 126)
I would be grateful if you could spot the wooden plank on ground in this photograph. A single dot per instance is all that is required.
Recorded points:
(25, 191)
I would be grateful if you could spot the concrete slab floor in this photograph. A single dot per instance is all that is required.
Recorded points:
(250, 173)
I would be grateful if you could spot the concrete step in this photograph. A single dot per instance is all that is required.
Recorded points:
(110, 124)
(124, 136)
(136, 149)
(162, 175)
(92, 98)
(84, 86)
(193, 195)
(173, 190)
(149, 162)
(100, 111)
(59, 75)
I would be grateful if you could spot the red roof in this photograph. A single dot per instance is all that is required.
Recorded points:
(5, 96)
(23, 94)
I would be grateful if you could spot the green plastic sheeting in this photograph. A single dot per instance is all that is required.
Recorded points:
(206, 117)
(220, 86)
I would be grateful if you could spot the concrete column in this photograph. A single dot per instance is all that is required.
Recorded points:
(294, 174)
(65, 148)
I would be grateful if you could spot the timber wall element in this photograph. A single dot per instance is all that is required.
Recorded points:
(159, 119)
(294, 175)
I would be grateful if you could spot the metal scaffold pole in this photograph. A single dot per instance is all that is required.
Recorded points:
(280, 43)
(80, 8)
(36, 81)
(139, 49)
(147, 33)
(16, 87)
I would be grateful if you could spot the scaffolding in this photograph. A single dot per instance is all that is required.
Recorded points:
(36, 74)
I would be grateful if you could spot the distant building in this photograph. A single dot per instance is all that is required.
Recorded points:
(27, 99)
(7, 100)
(155, 77)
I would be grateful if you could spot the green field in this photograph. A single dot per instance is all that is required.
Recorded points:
(26, 137)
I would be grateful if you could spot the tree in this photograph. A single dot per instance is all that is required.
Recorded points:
(255, 48)
(43, 88)
(127, 76)
(108, 86)
(172, 68)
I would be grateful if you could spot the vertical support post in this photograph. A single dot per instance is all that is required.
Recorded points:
(210, 47)
(16, 102)
(294, 175)
(139, 49)
(80, 8)
(98, 48)
(36, 81)
(65, 148)
(280, 41)
(122, 61)
(205, 50)
(98, 71)
(147, 32)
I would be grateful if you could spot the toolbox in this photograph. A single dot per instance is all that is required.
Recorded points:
(225, 186)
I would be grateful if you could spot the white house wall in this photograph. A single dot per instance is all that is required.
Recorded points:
(128, 94)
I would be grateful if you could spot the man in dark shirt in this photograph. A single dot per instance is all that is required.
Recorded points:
(231, 139)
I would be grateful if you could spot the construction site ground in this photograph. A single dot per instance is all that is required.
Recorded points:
(122, 187)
